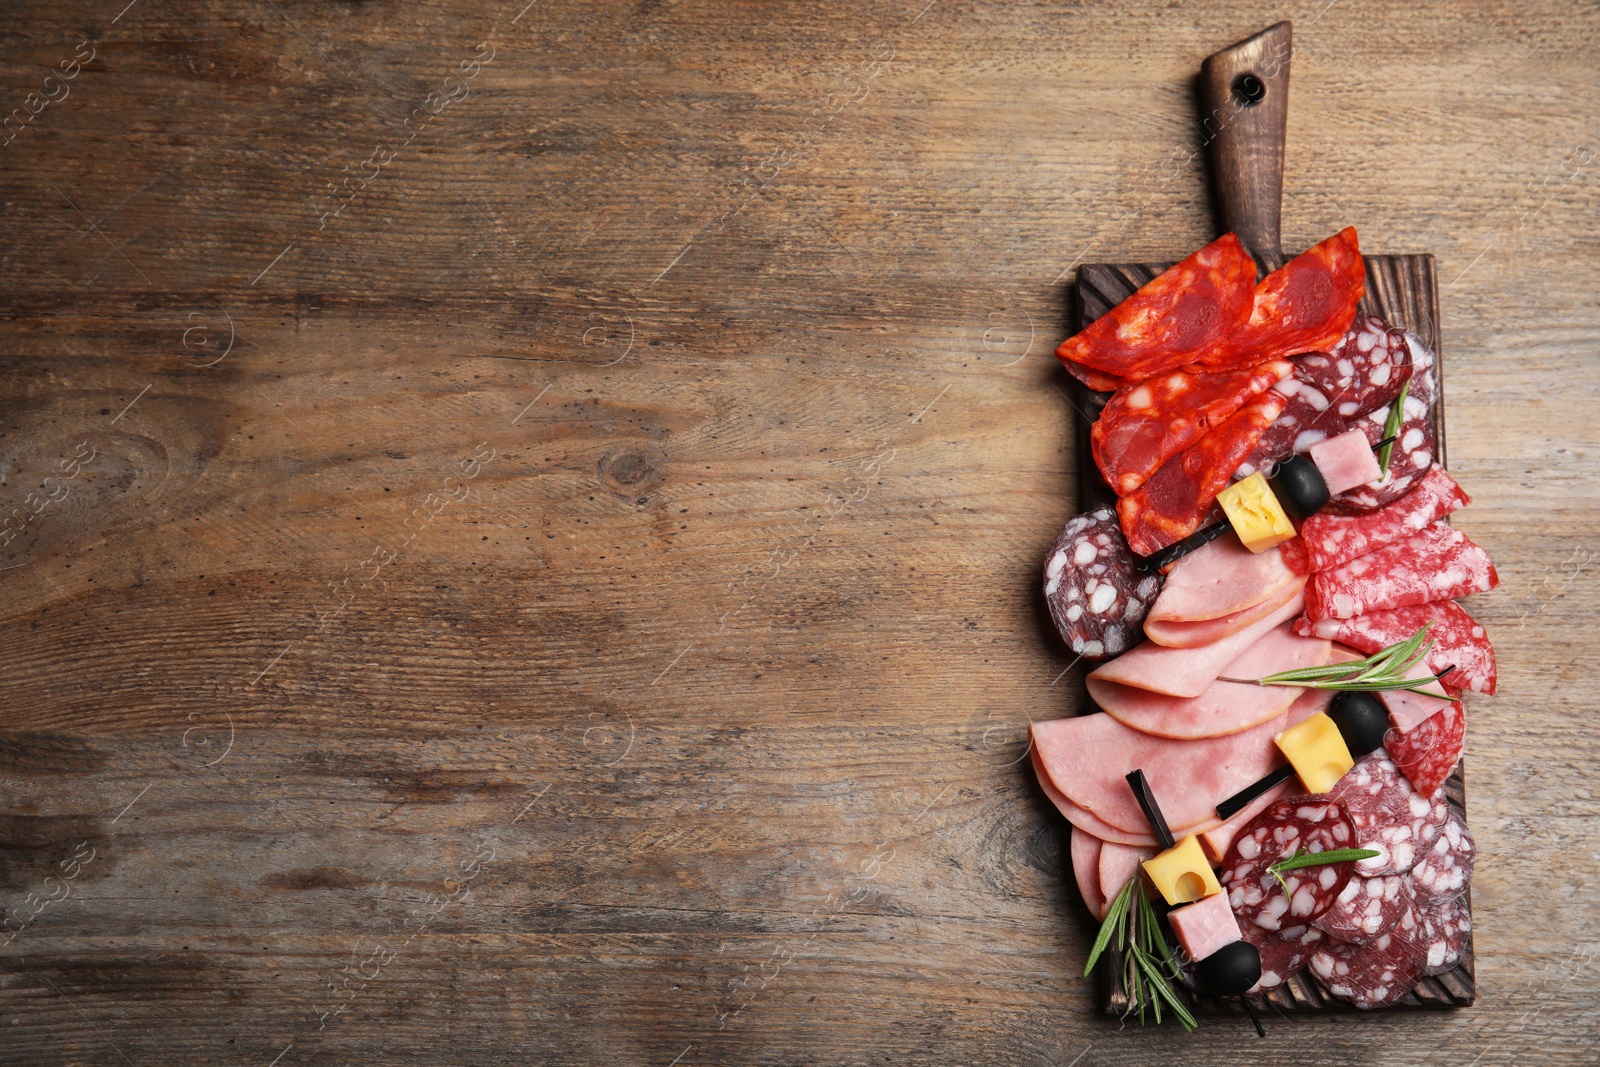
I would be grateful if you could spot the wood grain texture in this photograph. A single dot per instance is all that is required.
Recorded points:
(726, 653)
(1244, 116)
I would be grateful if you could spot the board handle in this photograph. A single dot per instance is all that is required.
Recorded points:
(1244, 94)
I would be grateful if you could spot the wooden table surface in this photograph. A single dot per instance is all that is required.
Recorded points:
(524, 522)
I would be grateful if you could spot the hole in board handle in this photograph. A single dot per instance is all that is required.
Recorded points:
(1249, 90)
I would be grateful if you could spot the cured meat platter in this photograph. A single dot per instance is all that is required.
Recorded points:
(1341, 877)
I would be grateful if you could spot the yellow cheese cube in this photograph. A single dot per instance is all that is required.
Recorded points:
(1257, 517)
(1182, 873)
(1317, 751)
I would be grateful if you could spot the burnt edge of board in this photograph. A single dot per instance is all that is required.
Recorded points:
(1404, 290)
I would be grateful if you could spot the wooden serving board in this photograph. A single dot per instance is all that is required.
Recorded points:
(1404, 291)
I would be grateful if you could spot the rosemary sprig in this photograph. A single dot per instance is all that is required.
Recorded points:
(1148, 965)
(1391, 426)
(1386, 670)
(1303, 858)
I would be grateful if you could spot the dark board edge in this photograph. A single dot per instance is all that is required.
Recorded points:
(1404, 290)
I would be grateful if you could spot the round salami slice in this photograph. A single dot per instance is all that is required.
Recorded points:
(1388, 814)
(1098, 596)
(1312, 824)
(1445, 869)
(1307, 417)
(1444, 935)
(1414, 447)
(1367, 908)
(1283, 953)
(1377, 974)
(1364, 371)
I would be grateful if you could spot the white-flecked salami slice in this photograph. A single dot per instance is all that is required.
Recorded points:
(1378, 973)
(1444, 933)
(1367, 908)
(1098, 597)
(1415, 448)
(1445, 869)
(1329, 391)
(1387, 813)
(1312, 824)
(1283, 953)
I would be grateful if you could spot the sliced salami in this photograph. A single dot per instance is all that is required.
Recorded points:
(1304, 306)
(1429, 752)
(1283, 953)
(1444, 934)
(1387, 814)
(1458, 639)
(1144, 425)
(1312, 824)
(1097, 595)
(1173, 320)
(1415, 448)
(1366, 908)
(1173, 502)
(1378, 973)
(1445, 869)
(1307, 417)
(1332, 540)
(1437, 563)
(1363, 372)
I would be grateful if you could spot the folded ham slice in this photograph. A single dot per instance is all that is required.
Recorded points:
(1209, 631)
(1118, 863)
(1086, 866)
(1225, 707)
(1082, 764)
(1221, 578)
(1188, 672)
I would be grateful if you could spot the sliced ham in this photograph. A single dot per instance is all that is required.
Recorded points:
(1221, 578)
(1225, 707)
(1118, 863)
(1188, 672)
(1086, 867)
(1205, 926)
(1209, 631)
(1082, 764)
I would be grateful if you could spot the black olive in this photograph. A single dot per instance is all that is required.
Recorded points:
(1299, 487)
(1230, 970)
(1362, 720)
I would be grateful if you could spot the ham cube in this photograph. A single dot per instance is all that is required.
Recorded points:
(1345, 461)
(1205, 926)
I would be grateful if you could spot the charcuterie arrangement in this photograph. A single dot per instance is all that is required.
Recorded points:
(1273, 603)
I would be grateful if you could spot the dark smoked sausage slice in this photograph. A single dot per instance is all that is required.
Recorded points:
(1415, 448)
(1312, 824)
(1097, 595)
(1367, 908)
(1283, 953)
(1378, 973)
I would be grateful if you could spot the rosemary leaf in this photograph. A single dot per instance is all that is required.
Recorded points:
(1391, 427)
(1112, 924)
(1316, 859)
(1387, 670)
